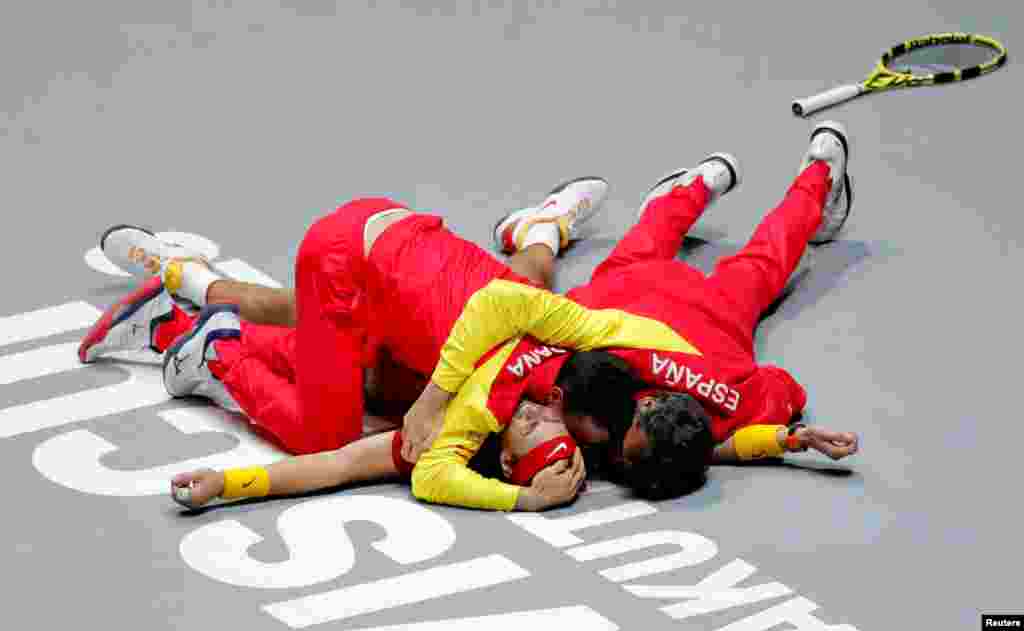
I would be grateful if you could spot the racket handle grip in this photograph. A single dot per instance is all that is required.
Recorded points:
(811, 104)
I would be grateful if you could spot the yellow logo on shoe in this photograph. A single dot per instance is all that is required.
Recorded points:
(149, 262)
(565, 221)
(173, 276)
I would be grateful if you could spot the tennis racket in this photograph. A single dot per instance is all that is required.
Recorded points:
(928, 60)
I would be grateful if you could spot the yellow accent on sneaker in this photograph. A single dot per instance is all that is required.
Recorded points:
(522, 232)
(563, 229)
(564, 223)
(174, 275)
(566, 220)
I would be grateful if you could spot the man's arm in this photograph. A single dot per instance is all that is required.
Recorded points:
(363, 460)
(442, 473)
(755, 442)
(504, 309)
(752, 442)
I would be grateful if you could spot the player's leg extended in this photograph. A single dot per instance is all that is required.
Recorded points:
(754, 277)
(669, 210)
(187, 275)
(196, 282)
(256, 303)
(536, 262)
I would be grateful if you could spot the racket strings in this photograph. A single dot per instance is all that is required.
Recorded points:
(939, 58)
(933, 59)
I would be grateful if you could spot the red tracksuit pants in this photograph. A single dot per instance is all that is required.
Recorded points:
(303, 387)
(719, 312)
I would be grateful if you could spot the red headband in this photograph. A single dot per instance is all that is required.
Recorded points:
(550, 452)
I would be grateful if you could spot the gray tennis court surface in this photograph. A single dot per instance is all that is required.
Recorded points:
(242, 122)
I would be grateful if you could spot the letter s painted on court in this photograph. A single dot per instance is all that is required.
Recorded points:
(318, 546)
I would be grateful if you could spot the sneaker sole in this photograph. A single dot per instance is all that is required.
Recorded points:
(837, 130)
(848, 192)
(667, 178)
(122, 226)
(564, 185)
(727, 159)
(192, 255)
(135, 301)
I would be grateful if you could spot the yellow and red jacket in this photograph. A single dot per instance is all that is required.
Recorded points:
(508, 343)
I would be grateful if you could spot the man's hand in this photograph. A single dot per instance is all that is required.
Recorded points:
(196, 488)
(835, 445)
(555, 485)
(423, 422)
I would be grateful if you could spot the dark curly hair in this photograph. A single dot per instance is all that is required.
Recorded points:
(601, 385)
(680, 445)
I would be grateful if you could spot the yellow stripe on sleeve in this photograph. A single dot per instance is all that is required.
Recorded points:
(503, 310)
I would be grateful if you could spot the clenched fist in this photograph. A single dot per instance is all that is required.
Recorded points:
(835, 445)
(196, 488)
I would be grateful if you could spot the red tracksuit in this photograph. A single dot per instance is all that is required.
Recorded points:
(304, 386)
(717, 313)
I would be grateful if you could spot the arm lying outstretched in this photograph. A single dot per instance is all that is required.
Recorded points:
(370, 459)
(364, 460)
(755, 442)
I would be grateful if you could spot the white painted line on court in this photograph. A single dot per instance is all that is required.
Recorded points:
(48, 321)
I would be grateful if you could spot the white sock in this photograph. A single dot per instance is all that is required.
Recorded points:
(546, 233)
(189, 280)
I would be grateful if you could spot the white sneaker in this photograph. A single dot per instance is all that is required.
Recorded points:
(721, 172)
(128, 325)
(829, 144)
(185, 363)
(569, 205)
(140, 252)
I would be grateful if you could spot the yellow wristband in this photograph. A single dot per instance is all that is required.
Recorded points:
(247, 482)
(758, 441)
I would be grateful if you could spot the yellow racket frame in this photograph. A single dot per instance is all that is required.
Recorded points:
(884, 78)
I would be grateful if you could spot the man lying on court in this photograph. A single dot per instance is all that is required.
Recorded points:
(726, 306)
(302, 385)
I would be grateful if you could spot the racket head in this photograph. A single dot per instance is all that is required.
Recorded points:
(936, 58)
